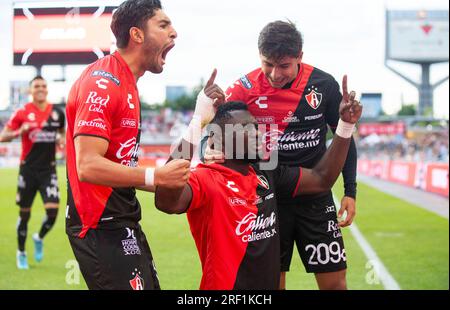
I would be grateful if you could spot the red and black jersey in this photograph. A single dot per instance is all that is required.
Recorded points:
(103, 102)
(302, 113)
(234, 222)
(39, 142)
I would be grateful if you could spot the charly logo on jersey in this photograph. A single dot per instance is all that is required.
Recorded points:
(102, 83)
(97, 103)
(278, 140)
(130, 104)
(129, 244)
(128, 152)
(137, 283)
(290, 118)
(262, 102)
(31, 116)
(232, 185)
(253, 227)
(313, 98)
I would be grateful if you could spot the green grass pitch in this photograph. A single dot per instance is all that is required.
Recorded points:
(412, 243)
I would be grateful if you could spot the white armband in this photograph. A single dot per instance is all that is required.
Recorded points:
(344, 129)
(149, 176)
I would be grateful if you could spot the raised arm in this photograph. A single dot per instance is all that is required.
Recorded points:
(323, 175)
(177, 200)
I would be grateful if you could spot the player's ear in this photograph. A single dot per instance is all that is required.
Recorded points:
(136, 35)
(300, 56)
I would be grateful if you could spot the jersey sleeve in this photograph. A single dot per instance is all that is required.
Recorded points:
(15, 121)
(236, 92)
(198, 190)
(287, 180)
(96, 107)
(333, 102)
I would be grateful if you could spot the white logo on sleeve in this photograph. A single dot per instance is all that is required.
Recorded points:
(130, 104)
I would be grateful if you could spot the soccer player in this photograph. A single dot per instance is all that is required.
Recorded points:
(40, 126)
(232, 209)
(104, 121)
(302, 101)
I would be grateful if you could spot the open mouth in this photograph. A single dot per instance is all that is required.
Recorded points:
(166, 51)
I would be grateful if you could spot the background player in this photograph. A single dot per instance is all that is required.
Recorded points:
(40, 126)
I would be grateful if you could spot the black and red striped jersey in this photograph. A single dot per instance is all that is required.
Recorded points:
(234, 222)
(103, 102)
(39, 142)
(301, 113)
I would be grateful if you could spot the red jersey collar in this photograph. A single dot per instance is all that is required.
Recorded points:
(125, 66)
(227, 171)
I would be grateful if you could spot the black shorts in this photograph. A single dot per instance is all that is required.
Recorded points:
(118, 259)
(32, 180)
(313, 226)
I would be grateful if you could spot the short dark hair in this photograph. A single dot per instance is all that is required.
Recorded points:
(132, 13)
(37, 77)
(223, 111)
(280, 39)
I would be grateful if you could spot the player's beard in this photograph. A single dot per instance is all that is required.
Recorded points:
(152, 52)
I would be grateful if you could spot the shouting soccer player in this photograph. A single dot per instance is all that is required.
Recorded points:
(104, 123)
(41, 126)
(302, 101)
(232, 207)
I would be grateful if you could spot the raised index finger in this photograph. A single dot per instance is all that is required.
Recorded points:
(212, 78)
(344, 88)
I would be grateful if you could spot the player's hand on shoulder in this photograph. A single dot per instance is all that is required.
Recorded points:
(174, 174)
(350, 109)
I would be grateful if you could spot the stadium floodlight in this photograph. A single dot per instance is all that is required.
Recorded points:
(420, 37)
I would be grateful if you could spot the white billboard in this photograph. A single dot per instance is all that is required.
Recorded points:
(417, 36)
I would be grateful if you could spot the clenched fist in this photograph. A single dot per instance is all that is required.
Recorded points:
(174, 174)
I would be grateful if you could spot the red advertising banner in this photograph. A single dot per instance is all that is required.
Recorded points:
(431, 177)
(366, 129)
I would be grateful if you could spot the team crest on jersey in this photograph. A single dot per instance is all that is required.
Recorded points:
(31, 117)
(262, 181)
(55, 116)
(313, 98)
(137, 283)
